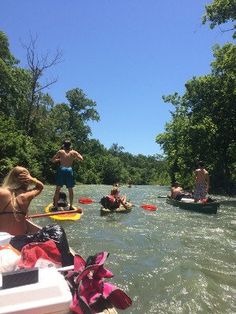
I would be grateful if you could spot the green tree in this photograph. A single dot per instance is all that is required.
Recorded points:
(219, 12)
(33, 126)
(203, 123)
(16, 148)
(5, 53)
(204, 119)
(13, 82)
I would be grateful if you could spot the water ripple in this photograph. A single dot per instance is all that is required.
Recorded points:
(168, 261)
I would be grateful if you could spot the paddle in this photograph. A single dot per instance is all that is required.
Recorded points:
(61, 212)
(85, 200)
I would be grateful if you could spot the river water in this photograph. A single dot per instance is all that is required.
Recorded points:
(167, 261)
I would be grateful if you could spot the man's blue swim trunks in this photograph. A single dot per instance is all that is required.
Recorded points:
(65, 177)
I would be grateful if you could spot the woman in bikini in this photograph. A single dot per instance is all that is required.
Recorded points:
(15, 198)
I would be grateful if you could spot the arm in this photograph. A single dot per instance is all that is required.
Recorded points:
(38, 186)
(56, 157)
(123, 202)
(77, 155)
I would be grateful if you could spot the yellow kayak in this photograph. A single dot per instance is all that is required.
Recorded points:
(70, 216)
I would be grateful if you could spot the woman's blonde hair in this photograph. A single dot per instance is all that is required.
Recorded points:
(12, 180)
(13, 183)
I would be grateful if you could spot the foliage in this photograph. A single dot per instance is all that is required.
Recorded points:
(5, 53)
(219, 12)
(203, 124)
(33, 126)
(16, 148)
(106, 166)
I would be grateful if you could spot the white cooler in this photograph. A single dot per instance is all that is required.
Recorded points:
(50, 294)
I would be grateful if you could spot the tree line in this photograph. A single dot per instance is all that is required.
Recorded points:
(33, 126)
(203, 123)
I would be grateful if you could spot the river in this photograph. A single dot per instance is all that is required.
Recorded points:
(167, 261)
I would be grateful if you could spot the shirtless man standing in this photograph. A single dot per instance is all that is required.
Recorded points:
(201, 182)
(65, 157)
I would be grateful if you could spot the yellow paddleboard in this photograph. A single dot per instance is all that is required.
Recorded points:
(69, 216)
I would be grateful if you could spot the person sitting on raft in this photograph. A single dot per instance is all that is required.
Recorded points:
(177, 192)
(114, 200)
(62, 203)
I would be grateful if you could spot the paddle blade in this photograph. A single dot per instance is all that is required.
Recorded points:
(85, 200)
(149, 207)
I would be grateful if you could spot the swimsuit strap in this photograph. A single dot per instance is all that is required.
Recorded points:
(18, 205)
(20, 211)
(5, 207)
(16, 212)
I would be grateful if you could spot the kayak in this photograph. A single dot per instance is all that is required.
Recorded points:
(49, 292)
(189, 204)
(120, 210)
(69, 216)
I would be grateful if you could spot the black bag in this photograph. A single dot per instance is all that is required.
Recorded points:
(105, 202)
(54, 232)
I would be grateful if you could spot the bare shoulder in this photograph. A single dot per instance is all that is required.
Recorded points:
(4, 192)
(61, 151)
(58, 153)
(75, 153)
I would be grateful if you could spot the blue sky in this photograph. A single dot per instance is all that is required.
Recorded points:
(124, 54)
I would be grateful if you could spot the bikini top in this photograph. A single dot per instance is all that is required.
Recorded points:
(20, 212)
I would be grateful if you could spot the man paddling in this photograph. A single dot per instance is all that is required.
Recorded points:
(65, 156)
